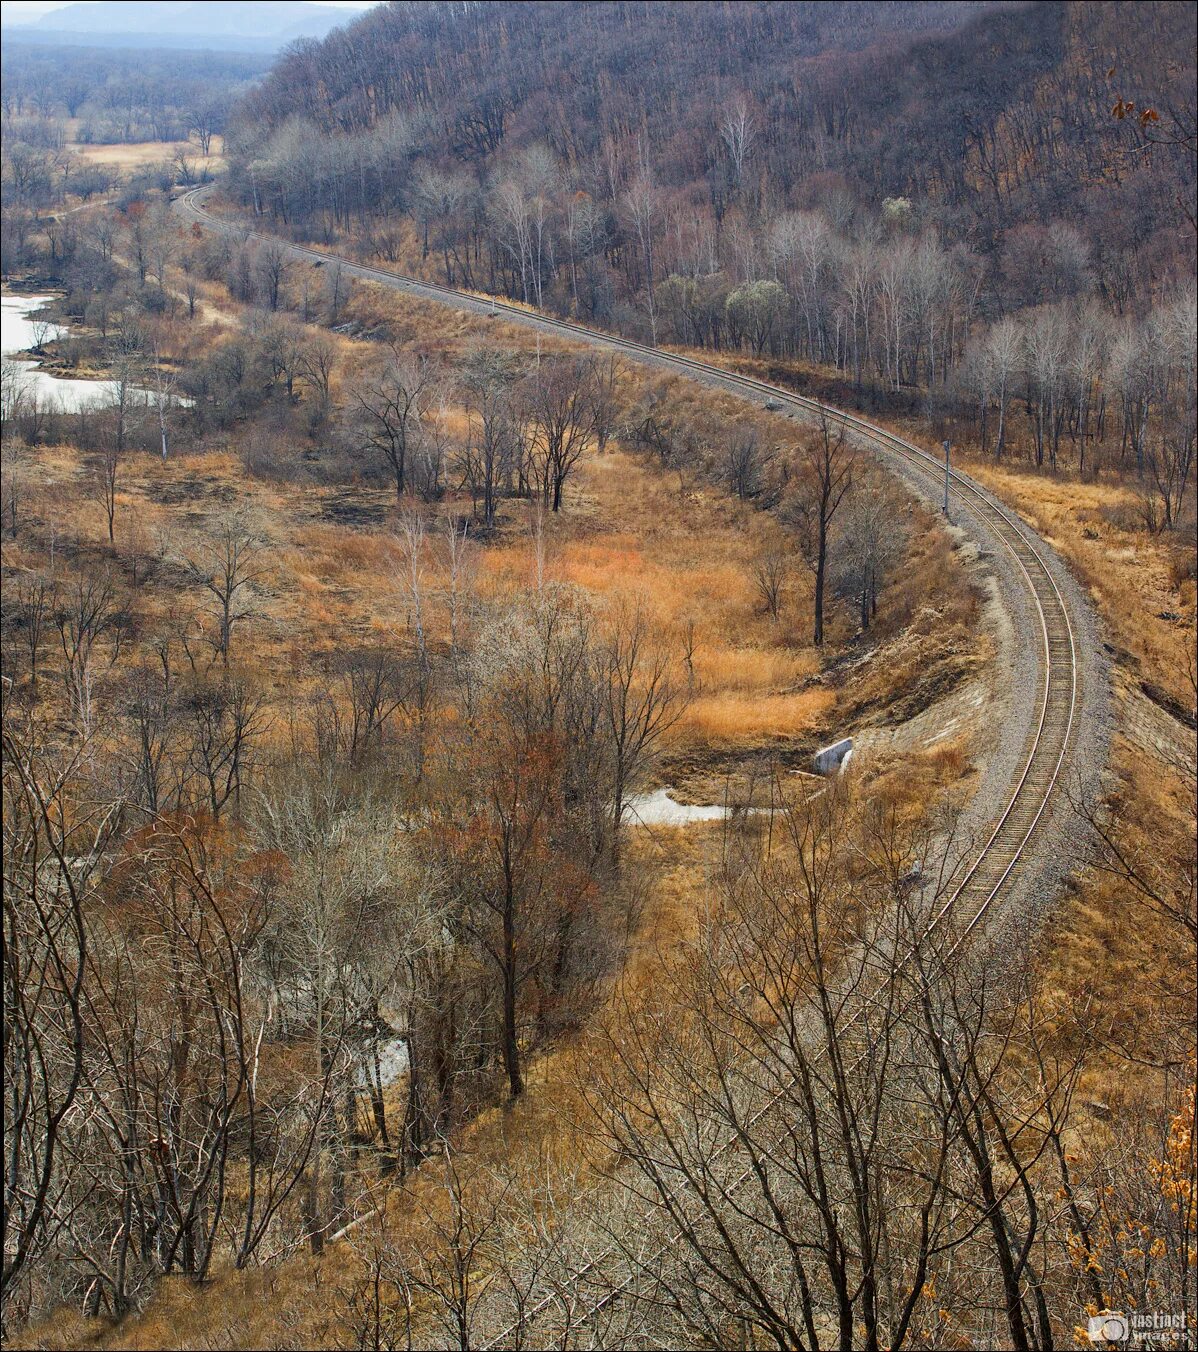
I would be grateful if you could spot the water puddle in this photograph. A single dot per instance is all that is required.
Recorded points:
(659, 809)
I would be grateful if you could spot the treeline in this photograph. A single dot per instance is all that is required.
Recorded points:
(119, 96)
(56, 97)
(790, 115)
(1087, 389)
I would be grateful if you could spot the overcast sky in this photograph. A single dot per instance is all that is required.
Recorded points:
(16, 10)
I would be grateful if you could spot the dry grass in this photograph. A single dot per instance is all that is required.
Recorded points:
(749, 718)
(754, 670)
(128, 158)
(1132, 576)
(1111, 948)
(687, 560)
(629, 535)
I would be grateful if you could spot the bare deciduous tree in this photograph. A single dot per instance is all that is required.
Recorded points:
(564, 404)
(771, 572)
(228, 566)
(825, 472)
(272, 266)
(738, 131)
(641, 702)
(872, 532)
(54, 842)
(392, 405)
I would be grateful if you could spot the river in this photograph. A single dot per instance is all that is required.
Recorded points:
(24, 378)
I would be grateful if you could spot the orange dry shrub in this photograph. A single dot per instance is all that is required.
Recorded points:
(1139, 1249)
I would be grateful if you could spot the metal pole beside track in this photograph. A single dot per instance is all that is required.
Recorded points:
(947, 448)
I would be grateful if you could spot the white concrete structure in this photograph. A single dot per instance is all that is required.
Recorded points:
(830, 758)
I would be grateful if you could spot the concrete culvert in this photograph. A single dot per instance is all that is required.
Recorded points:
(830, 759)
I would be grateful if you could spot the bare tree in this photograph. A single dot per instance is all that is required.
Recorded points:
(34, 603)
(185, 1089)
(872, 535)
(565, 409)
(106, 485)
(272, 266)
(225, 720)
(609, 372)
(317, 365)
(204, 121)
(771, 572)
(54, 841)
(14, 473)
(459, 554)
(752, 1108)
(336, 291)
(641, 702)
(748, 467)
(738, 131)
(392, 407)
(342, 848)
(1005, 353)
(164, 382)
(1170, 464)
(488, 457)
(825, 465)
(228, 566)
(91, 626)
(125, 408)
(641, 208)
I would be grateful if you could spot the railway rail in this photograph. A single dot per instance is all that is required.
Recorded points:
(990, 874)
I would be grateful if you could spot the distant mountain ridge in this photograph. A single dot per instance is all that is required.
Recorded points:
(252, 26)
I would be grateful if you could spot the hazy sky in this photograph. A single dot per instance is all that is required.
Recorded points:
(11, 10)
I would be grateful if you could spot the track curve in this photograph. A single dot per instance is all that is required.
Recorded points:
(1057, 680)
(1036, 779)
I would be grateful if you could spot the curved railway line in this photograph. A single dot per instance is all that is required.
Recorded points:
(984, 883)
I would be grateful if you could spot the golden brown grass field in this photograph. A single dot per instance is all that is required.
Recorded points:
(631, 533)
(684, 550)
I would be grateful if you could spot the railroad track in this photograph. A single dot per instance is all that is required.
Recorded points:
(983, 884)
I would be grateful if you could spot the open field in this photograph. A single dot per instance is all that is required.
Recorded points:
(130, 158)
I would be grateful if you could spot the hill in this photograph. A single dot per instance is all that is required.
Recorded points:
(984, 117)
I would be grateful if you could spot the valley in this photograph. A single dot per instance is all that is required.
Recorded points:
(468, 480)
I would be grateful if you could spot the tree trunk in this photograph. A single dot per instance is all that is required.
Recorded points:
(821, 567)
(511, 1047)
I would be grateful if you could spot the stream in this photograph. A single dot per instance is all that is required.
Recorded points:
(23, 377)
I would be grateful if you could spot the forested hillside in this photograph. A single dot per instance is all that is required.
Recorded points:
(710, 121)
(973, 202)
(53, 95)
